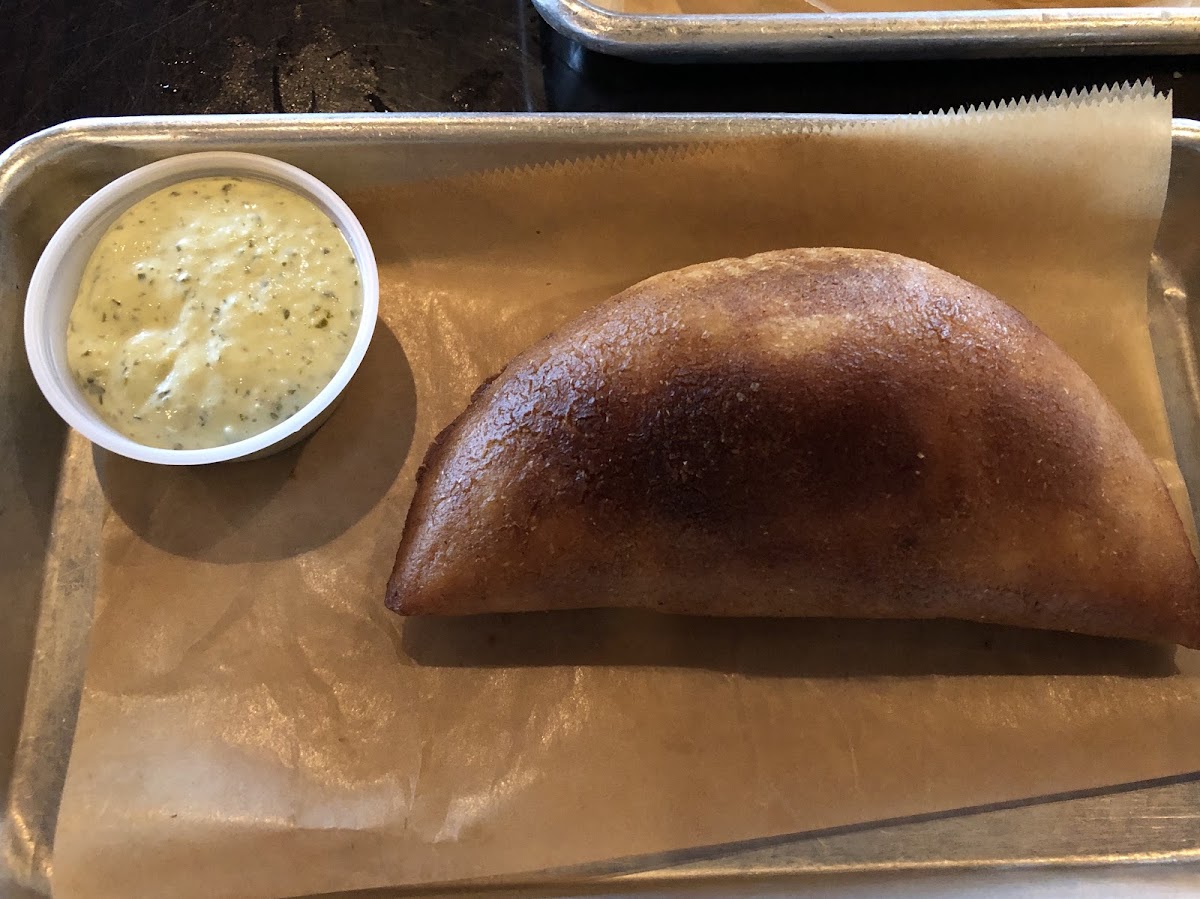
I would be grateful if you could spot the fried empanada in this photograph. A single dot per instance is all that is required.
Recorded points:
(812, 432)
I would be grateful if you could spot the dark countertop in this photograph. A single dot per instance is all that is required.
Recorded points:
(63, 59)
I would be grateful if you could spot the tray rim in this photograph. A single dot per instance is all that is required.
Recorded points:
(950, 34)
(495, 127)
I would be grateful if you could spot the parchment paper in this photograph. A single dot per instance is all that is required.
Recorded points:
(254, 722)
(756, 7)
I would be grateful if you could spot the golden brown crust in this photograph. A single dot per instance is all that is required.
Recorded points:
(818, 432)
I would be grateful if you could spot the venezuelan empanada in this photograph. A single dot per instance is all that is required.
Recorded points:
(814, 432)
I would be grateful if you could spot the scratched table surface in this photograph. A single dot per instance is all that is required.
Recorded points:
(62, 59)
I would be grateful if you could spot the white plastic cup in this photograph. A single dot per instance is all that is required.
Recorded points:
(55, 285)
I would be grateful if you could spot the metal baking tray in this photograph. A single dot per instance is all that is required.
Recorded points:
(1144, 835)
(960, 34)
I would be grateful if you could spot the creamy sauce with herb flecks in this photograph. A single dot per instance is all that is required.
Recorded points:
(212, 310)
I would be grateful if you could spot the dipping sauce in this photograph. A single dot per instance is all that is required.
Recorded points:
(211, 311)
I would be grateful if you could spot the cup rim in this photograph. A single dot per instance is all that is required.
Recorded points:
(120, 194)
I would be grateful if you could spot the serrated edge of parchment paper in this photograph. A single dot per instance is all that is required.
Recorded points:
(1074, 98)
